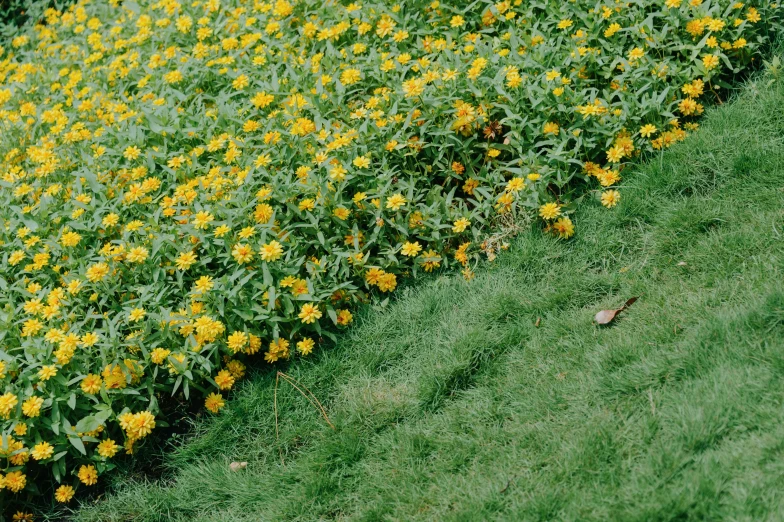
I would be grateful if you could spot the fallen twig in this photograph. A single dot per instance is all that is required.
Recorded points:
(312, 399)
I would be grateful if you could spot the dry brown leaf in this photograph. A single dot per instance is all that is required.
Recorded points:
(606, 316)
(492, 130)
(236, 466)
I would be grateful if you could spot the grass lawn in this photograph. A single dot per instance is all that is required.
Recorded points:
(500, 399)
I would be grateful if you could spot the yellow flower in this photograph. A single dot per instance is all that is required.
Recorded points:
(262, 99)
(90, 339)
(91, 384)
(202, 219)
(385, 26)
(173, 76)
(47, 372)
(515, 185)
(689, 106)
(96, 272)
(203, 285)
(344, 317)
(70, 239)
(309, 313)
(107, 448)
(15, 257)
(224, 380)
(214, 402)
(635, 54)
(552, 75)
(337, 173)
(395, 202)
(137, 425)
(550, 211)
(460, 225)
(411, 249)
(271, 251)
(137, 255)
(242, 253)
(551, 128)
(341, 213)
(88, 475)
(710, 61)
(240, 82)
(350, 76)
(237, 341)
(247, 232)
(132, 152)
(615, 27)
(32, 406)
(430, 260)
(615, 154)
(646, 131)
(159, 355)
(305, 346)
(110, 219)
(137, 314)
(185, 260)
(361, 162)
(64, 494)
(564, 228)
(413, 87)
(42, 451)
(8, 402)
(610, 198)
(387, 282)
(278, 349)
(15, 481)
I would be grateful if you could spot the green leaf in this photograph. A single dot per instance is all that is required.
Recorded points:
(77, 443)
(58, 456)
(87, 424)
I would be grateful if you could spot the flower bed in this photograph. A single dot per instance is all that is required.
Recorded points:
(187, 186)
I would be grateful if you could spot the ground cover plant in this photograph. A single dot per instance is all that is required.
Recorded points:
(187, 185)
(500, 399)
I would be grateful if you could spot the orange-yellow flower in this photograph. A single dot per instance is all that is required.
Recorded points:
(88, 475)
(271, 251)
(309, 313)
(242, 253)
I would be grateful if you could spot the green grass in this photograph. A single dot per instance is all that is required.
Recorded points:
(452, 404)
